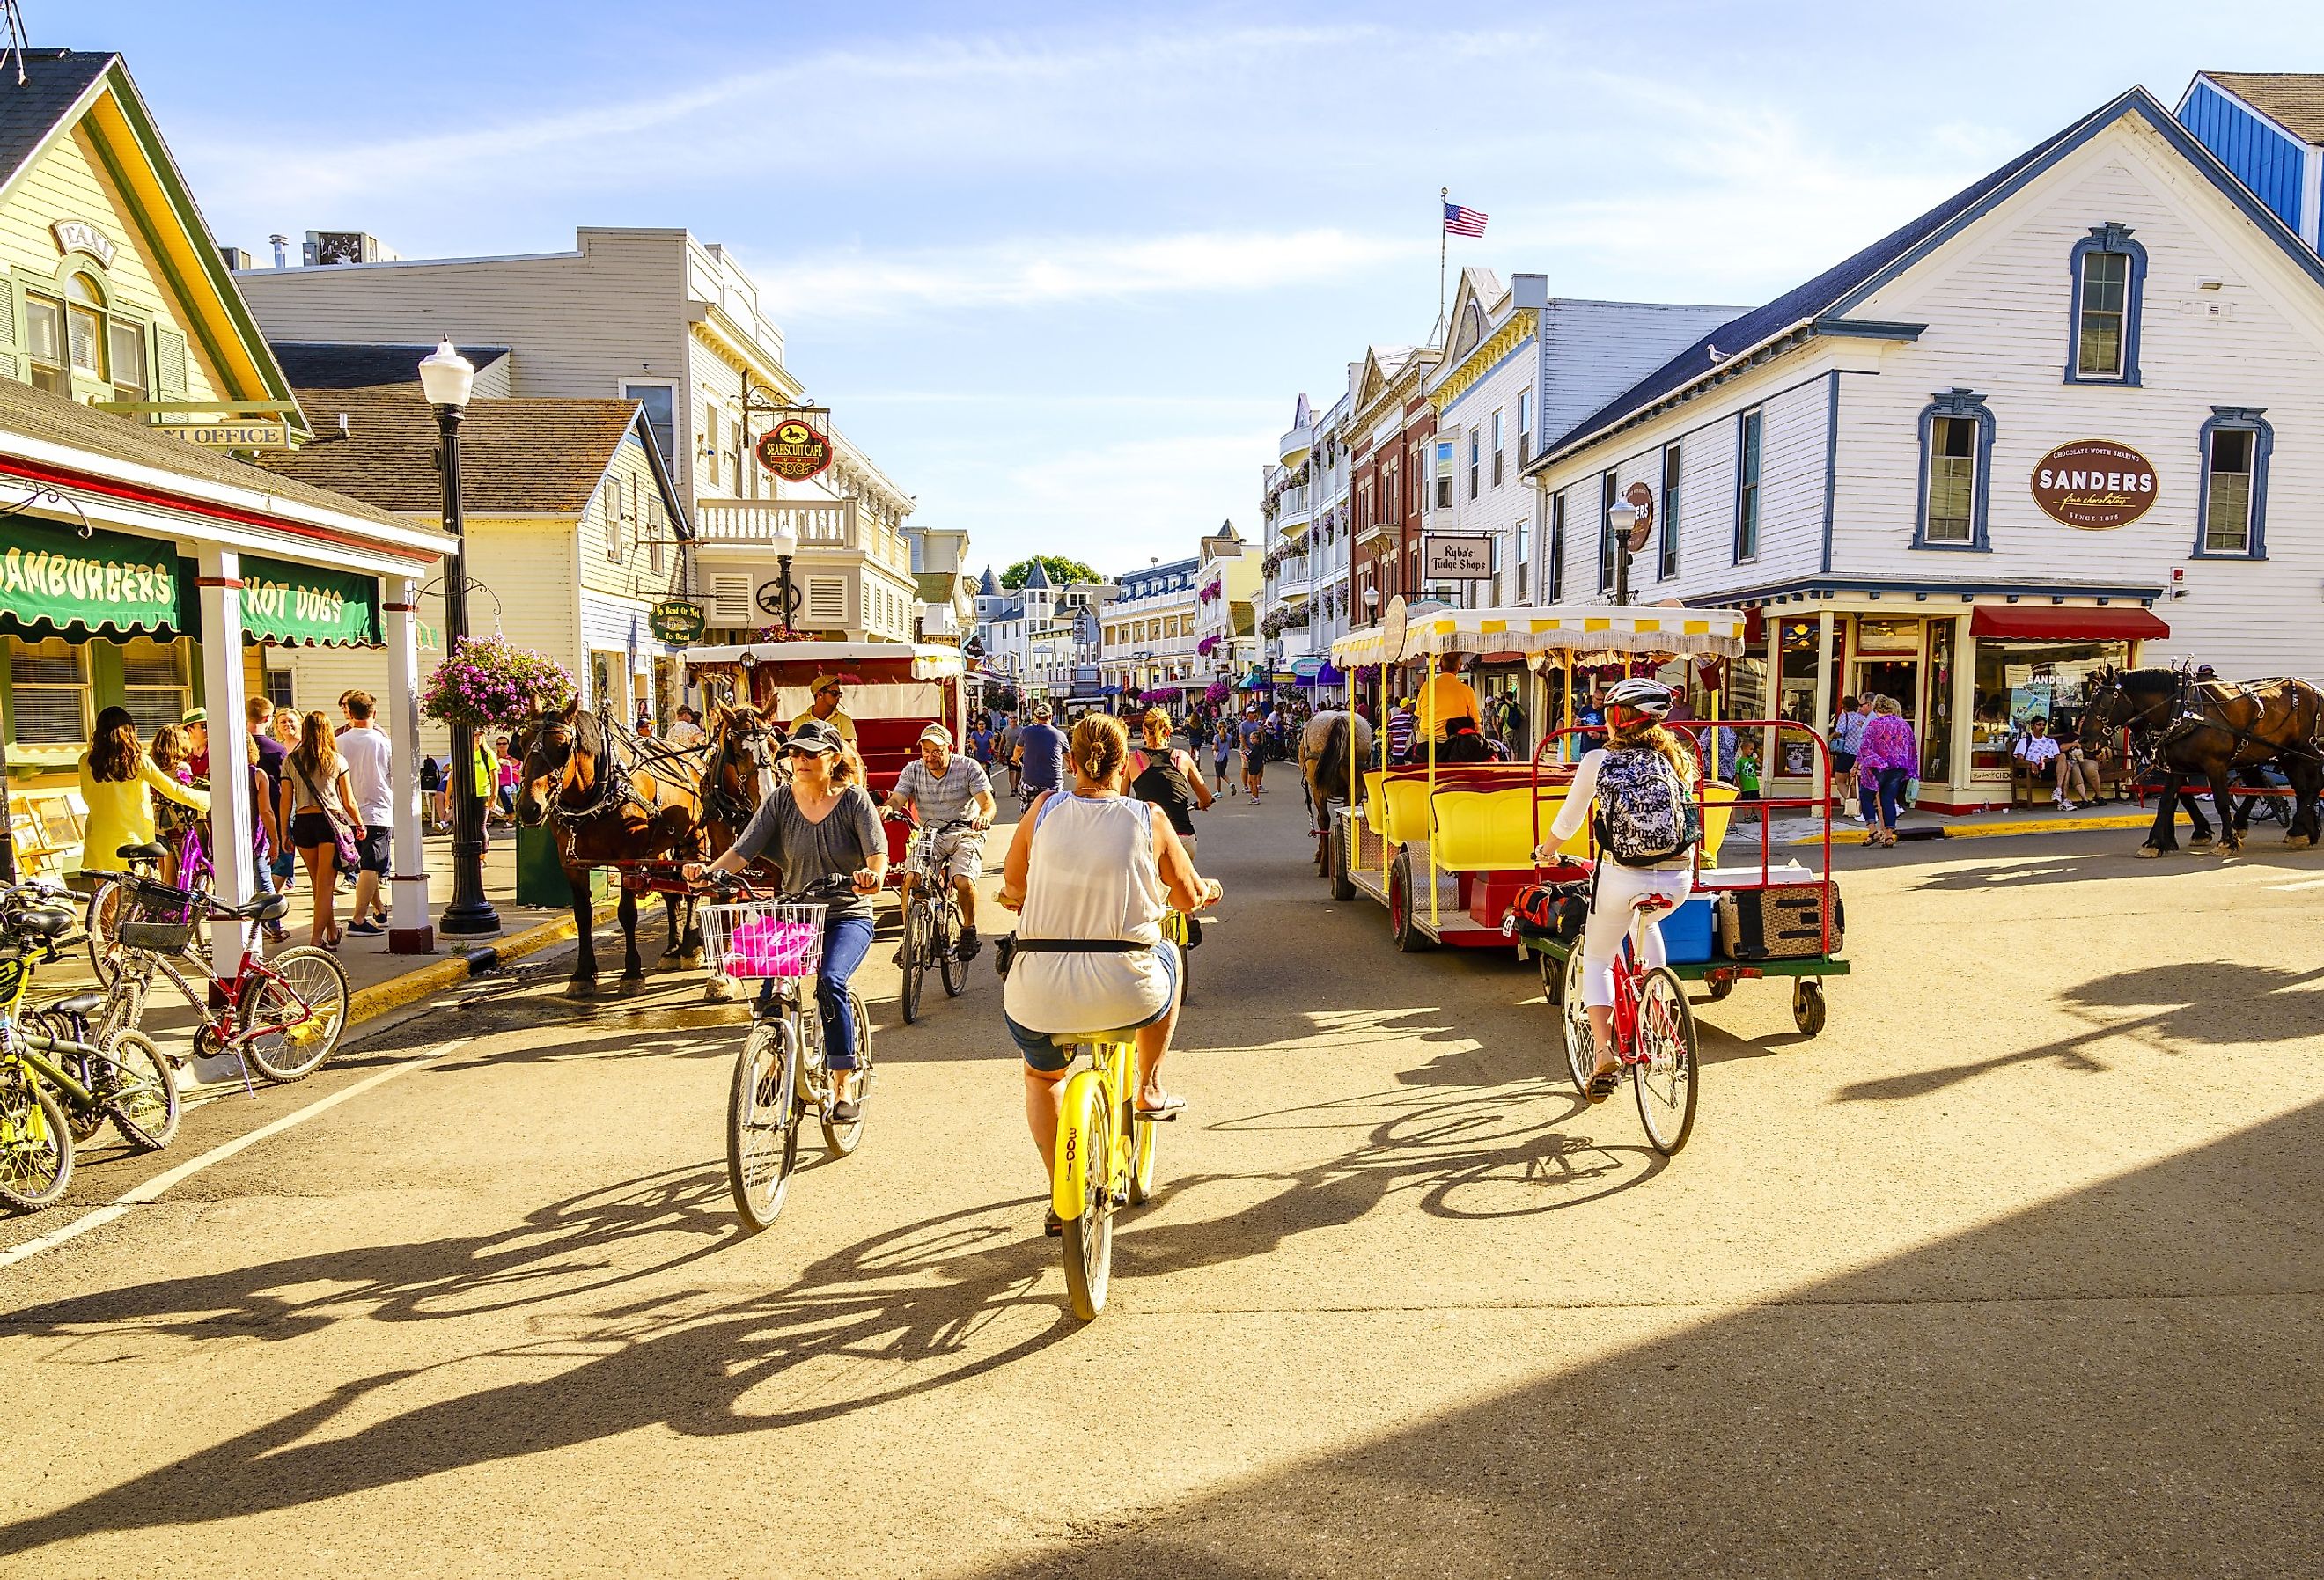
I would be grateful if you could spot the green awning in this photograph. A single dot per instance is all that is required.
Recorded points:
(107, 581)
(307, 606)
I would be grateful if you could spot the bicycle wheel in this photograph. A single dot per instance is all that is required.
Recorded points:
(949, 964)
(1581, 1047)
(142, 1093)
(762, 1115)
(290, 1023)
(1665, 1073)
(36, 1149)
(844, 1138)
(915, 956)
(103, 924)
(1089, 1233)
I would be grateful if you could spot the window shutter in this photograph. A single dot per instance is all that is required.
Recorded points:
(730, 602)
(11, 331)
(169, 364)
(826, 600)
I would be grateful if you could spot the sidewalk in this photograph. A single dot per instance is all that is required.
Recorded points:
(1993, 823)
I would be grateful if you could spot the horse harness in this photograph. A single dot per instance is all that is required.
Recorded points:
(622, 758)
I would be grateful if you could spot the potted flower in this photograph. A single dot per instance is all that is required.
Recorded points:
(489, 683)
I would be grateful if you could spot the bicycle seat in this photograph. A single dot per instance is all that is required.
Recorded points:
(81, 1005)
(42, 924)
(153, 852)
(265, 907)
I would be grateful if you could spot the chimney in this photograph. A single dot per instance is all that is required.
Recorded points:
(282, 250)
(236, 258)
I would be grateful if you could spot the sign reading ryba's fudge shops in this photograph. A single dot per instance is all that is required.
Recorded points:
(2094, 484)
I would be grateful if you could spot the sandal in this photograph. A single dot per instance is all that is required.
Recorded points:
(1169, 1108)
(1604, 1082)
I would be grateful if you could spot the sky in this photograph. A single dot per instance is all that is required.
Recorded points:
(1063, 269)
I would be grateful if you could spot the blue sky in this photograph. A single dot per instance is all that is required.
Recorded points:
(1063, 269)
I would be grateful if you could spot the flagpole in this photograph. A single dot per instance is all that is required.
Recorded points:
(1444, 195)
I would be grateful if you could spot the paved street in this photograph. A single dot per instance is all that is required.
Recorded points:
(2014, 1270)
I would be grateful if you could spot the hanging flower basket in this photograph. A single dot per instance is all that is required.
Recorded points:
(1207, 646)
(489, 683)
(1217, 691)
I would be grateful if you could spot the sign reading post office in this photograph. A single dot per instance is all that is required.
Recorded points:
(2094, 484)
(1456, 555)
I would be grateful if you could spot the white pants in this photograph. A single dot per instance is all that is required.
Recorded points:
(1609, 921)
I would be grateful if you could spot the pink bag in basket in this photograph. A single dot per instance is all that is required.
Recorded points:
(770, 946)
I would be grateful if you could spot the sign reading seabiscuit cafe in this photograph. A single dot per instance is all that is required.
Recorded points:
(794, 451)
(2094, 484)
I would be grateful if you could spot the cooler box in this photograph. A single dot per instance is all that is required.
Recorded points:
(1491, 894)
(1687, 932)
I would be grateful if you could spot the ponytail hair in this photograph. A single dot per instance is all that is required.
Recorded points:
(1098, 747)
(1639, 733)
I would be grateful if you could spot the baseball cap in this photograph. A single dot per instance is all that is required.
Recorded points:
(813, 735)
(196, 716)
(1041, 710)
(939, 734)
(826, 683)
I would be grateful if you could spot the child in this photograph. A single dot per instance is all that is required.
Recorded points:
(1746, 769)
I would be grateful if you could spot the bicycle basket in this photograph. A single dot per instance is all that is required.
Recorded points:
(157, 938)
(762, 939)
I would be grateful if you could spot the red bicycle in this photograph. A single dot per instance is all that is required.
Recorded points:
(284, 1015)
(1654, 1029)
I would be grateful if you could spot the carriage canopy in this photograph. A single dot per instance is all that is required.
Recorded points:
(1582, 629)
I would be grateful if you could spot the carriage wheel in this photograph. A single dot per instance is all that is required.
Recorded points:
(1807, 1006)
(1402, 924)
(1343, 887)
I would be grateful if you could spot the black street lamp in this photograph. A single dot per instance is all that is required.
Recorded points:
(446, 378)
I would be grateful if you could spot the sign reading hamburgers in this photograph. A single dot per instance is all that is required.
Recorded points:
(793, 451)
(2094, 484)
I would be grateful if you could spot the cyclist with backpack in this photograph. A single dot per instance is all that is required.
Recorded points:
(1646, 790)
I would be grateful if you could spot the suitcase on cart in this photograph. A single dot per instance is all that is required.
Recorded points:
(1781, 923)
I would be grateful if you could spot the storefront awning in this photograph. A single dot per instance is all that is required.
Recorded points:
(54, 578)
(307, 606)
(2059, 623)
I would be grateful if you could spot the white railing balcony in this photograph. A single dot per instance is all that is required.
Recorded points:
(1295, 446)
(755, 523)
(1291, 502)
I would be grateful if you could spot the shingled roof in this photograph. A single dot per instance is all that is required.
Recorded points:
(354, 365)
(519, 457)
(2294, 100)
(54, 82)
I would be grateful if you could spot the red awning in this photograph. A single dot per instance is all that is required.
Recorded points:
(2059, 622)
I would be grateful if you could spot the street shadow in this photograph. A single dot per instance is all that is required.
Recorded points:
(913, 1310)
(2110, 1383)
(2188, 1010)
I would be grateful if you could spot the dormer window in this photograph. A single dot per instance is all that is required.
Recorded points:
(2109, 281)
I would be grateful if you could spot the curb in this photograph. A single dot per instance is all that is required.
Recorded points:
(2000, 829)
(371, 1002)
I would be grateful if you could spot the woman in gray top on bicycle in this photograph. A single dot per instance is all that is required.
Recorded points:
(823, 823)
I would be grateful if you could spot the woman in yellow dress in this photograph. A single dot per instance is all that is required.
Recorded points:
(119, 782)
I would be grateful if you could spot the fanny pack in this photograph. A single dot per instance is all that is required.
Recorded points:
(1006, 947)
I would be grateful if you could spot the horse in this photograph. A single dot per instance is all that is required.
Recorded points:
(1326, 775)
(605, 813)
(2212, 731)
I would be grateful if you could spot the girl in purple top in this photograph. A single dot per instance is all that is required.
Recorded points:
(1886, 759)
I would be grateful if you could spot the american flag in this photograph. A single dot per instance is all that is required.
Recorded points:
(1460, 221)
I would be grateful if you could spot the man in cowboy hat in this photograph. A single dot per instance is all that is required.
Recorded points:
(824, 708)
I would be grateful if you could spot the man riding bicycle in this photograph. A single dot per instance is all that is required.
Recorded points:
(1644, 786)
(939, 789)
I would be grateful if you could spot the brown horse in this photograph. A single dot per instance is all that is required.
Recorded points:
(605, 812)
(2212, 731)
(1325, 775)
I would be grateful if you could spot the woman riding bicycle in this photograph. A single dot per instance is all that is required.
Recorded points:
(822, 824)
(1644, 787)
(1090, 873)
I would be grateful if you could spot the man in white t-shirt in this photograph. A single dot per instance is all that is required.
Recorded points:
(364, 747)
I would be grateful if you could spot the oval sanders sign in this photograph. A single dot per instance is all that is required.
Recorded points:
(793, 451)
(2094, 484)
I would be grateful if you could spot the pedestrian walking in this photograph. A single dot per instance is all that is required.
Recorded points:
(1846, 737)
(1887, 758)
(1252, 738)
(363, 746)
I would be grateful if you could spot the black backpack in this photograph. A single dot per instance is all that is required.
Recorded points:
(1647, 813)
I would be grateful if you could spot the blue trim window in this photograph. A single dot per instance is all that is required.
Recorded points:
(1668, 565)
(1956, 472)
(1557, 546)
(2109, 292)
(2236, 444)
(1475, 444)
(1750, 428)
(1443, 473)
(1606, 531)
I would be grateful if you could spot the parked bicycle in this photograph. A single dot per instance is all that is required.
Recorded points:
(57, 1088)
(283, 1015)
(1654, 1030)
(780, 1075)
(931, 919)
(140, 894)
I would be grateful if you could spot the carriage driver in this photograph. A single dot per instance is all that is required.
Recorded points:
(940, 787)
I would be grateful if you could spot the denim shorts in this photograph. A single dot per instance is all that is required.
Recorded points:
(1048, 1058)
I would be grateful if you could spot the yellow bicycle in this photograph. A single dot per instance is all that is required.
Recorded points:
(1105, 1159)
(1178, 928)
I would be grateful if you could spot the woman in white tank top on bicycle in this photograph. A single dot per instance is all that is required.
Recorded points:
(1091, 866)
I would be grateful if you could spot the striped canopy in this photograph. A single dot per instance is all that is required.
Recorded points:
(1582, 628)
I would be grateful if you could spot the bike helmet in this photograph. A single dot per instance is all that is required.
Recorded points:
(1651, 698)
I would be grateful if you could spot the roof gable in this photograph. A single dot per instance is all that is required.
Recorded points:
(1831, 294)
(2294, 100)
(1472, 313)
(66, 89)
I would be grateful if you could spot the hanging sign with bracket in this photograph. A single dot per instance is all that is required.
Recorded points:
(793, 450)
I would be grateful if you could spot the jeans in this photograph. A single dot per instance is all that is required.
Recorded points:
(1886, 798)
(845, 941)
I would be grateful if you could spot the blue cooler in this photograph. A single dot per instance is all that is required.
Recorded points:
(1687, 932)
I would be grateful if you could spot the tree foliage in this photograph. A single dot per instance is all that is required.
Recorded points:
(1063, 571)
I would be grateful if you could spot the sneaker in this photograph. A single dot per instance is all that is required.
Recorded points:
(967, 945)
(365, 929)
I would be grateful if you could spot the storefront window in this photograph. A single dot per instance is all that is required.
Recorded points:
(2017, 680)
(1937, 739)
(49, 683)
(153, 686)
(1795, 697)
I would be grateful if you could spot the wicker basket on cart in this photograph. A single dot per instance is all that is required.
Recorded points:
(1784, 922)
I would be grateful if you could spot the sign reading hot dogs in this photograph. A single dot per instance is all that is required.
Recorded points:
(2094, 484)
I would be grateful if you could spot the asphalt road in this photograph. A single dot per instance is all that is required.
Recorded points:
(2014, 1270)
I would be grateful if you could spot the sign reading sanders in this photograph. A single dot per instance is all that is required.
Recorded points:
(2094, 484)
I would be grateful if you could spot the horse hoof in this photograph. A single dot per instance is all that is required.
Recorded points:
(718, 990)
(690, 960)
(2147, 853)
(2199, 842)
(2297, 842)
(581, 988)
(631, 985)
